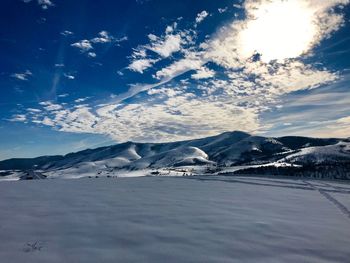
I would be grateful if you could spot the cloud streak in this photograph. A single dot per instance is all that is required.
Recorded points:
(86, 45)
(22, 76)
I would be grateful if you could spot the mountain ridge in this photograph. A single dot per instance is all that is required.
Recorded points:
(225, 149)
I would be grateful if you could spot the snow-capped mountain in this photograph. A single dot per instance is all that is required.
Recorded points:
(229, 149)
(318, 154)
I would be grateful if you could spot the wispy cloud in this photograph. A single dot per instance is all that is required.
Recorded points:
(191, 61)
(22, 76)
(69, 76)
(50, 106)
(203, 73)
(201, 16)
(106, 37)
(103, 37)
(81, 100)
(84, 45)
(222, 10)
(164, 46)
(19, 118)
(33, 110)
(67, 33)
(140, 65)
(91, 54)
(44, 4)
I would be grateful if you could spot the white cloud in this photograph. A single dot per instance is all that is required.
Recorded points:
(103, 37)
(77, 120)
(47, 121)
(81, 99)
(19, 118)
(67, 33)
(203, 73)
(69, 76)
(33, 110)
(344, 120)
(201, 16)
(106, 111)
(45, 4)
(169, 114)
(191, 62)
(222, 10)
(170, 29)
(22, 76)
(152, 37)
(83, 45)
(49, 106)
(164, 46)
(91, 54)
(122, 39)
(141, 65)
(167, 46)
(139, 53)
(136, 89)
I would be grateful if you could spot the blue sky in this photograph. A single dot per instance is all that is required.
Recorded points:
(79, 74)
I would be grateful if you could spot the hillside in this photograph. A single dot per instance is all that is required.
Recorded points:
(216, 153)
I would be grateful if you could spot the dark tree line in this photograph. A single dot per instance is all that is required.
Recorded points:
(325, 170)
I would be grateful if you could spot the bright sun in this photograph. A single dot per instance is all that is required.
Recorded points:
(278, 30)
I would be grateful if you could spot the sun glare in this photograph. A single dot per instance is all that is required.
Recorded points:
(278, 30)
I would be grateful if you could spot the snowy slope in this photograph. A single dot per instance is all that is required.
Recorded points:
(181, 156)
(224, 150)
(319, 154)
(124, 151)
(248, 149)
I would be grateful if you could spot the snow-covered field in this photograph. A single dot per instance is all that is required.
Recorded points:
(174, 219)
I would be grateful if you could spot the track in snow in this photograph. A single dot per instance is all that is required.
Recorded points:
(332, 199)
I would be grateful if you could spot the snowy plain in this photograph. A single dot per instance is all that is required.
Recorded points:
(174, 219)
